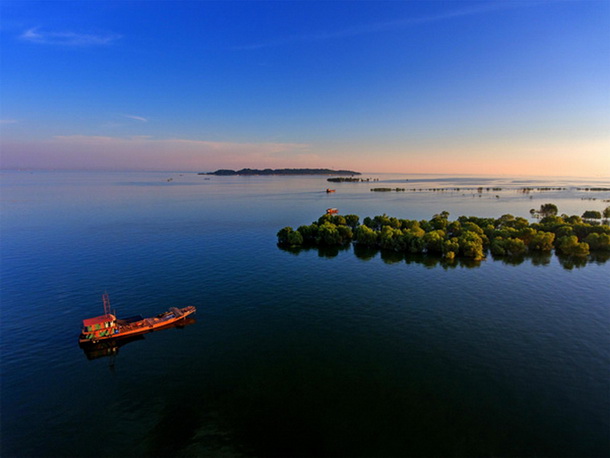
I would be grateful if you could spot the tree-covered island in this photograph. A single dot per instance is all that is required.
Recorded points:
(228, 172)
(468, 236)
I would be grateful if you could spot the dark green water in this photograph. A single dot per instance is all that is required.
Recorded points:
(292, 354)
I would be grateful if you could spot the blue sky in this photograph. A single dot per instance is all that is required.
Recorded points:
(515, 87)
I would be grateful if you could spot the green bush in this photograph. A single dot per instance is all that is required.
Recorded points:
(434, 241)
(469, 237)
(598, 242)
(471, 245)
(328, 234)
(289, 237)
(309, 233)
(569, 245)
(542, 241)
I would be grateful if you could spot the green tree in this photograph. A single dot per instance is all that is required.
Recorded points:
(606, 214)
(521, 223)
(368, 221)
(506, 220)
(415, 231)
(338, 220)
(416, 242)
(497, 247)
(551, 221)
(570, 245)
(352, 220)
(542, 241)
(440, 221)
(389, 238)
(515, 247)
(510, 247)
(364, 235)
(395, 223)
(384, 220)
(454, 229)
(451, 247)
(472, 227)
(289, 237)
(505, 232)
(309, 233)
(584, 229)
(471, 245)
(326, 218)
(427, 226)
(564, 230)
(548, 210)
(591, 214)
(510, 221)
(574, 219)
(328, 234)
(346, 234)
(434, 241)
(527, 234)
(481, 222)
(409, 224)
(598, 242)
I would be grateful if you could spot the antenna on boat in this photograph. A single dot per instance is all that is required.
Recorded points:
(106, 300)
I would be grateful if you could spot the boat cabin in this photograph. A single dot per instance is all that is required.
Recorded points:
(99, 326)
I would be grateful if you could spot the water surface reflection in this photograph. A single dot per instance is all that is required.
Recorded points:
(432, 260)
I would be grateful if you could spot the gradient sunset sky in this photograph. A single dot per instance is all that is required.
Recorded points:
(458, 87)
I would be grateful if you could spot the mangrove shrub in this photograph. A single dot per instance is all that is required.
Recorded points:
(468, 236)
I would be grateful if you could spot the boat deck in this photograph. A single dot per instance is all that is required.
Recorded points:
(138, 325)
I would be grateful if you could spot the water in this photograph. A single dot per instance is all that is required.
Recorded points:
(292, 354)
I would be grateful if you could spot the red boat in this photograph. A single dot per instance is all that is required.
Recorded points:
(108, 326)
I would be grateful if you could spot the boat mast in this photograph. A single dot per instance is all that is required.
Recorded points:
(106, 300)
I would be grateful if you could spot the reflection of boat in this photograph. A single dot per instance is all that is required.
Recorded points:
(110, 347)
(108, 327)
(331, 211)
(329, 190)
(107, 347)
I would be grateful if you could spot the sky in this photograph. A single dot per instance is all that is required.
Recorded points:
(512, 87)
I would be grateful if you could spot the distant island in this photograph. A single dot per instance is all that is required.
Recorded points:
(227, 172)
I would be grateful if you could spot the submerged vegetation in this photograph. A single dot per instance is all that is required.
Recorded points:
(351, 180)
(467, 237)
(387, 189)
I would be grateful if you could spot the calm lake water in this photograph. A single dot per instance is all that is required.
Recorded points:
(292, 354)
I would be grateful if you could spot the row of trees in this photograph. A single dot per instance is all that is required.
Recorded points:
(590, 216)
(470, 237)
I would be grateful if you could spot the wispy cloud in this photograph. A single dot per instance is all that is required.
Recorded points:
(136, 118)
(148, 153)
(8, 121)
(67, 38)
(386, 26)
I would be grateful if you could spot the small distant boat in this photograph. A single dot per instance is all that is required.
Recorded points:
(332, 211)
(329, 190)
(108, 326)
